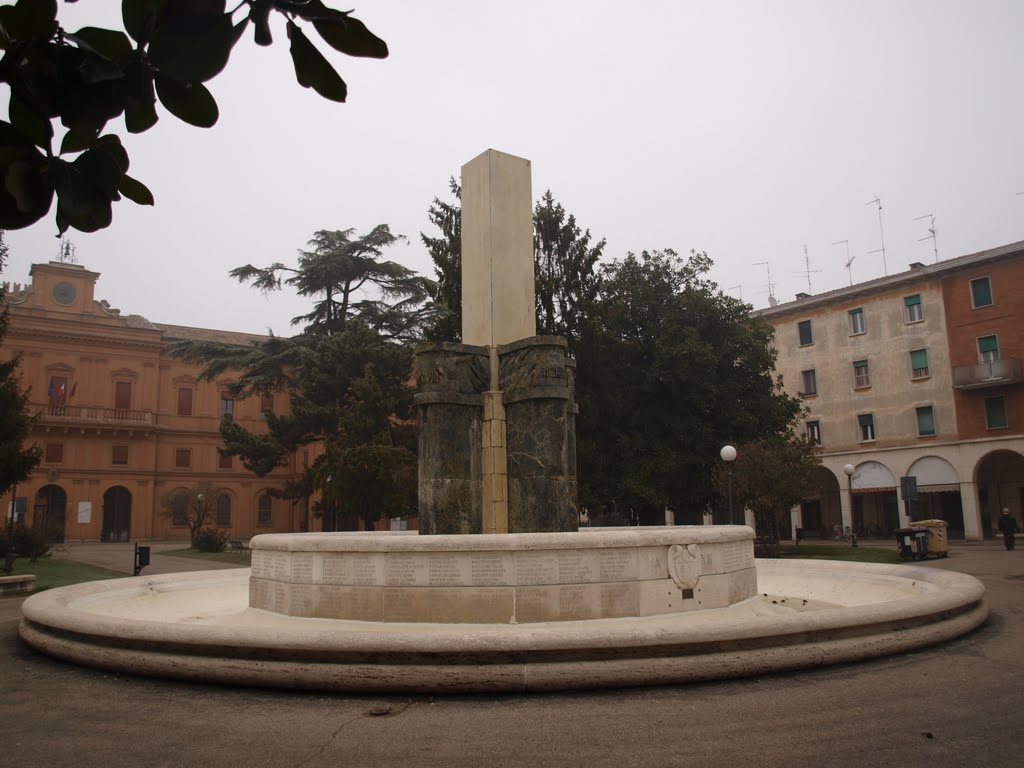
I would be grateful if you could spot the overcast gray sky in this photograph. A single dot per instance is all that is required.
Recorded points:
(746, 129)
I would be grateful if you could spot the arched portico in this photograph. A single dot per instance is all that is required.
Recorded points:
(938, 493)
(999, 476)
(874, 507)
(50, 512)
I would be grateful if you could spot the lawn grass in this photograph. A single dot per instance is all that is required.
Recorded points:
(238, 557)
(839, 552)
(51, 573)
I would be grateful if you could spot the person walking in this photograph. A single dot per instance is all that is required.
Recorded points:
(1008, 527)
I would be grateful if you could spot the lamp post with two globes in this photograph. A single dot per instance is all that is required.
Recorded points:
(728, 454)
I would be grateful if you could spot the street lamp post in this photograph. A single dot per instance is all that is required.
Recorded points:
(728, 454)
(848, 469)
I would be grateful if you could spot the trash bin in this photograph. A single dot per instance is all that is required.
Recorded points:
(912, 543)
(938, 538)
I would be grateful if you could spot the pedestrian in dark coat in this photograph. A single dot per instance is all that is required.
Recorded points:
(1008, 527)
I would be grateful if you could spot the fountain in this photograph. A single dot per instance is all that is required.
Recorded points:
(499, 590)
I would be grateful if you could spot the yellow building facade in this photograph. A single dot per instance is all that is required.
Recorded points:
(123, 426)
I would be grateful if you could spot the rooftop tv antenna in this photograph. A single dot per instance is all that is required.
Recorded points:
(849, 258)
(66, 252)
(771, 286)
(736, 287)
(931, 234)
(881, 234)
(807, 272)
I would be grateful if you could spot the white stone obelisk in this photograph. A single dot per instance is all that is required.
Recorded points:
(498, 303)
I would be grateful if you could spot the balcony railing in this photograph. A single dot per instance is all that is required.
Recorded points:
(93, 415)
(996, 373)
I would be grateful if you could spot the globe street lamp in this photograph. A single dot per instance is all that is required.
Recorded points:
(728, 454)
(848, 469)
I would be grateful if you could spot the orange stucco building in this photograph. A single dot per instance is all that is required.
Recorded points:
(122, 425)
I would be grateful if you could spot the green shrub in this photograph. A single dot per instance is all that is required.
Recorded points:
(210, 540)
(28, 541)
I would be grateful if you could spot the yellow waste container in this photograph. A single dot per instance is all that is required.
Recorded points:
(938, 540)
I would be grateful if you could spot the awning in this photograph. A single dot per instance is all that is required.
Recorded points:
(941, 488)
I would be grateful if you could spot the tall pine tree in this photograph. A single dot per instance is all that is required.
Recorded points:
(16, 461)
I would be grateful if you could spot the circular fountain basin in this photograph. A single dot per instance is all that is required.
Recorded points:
(199, 626)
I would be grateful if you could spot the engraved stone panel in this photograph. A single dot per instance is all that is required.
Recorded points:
(490, 568)
(402, 569)
(302, 567)
(446, 569)
(618, 564)
(577, 566)
(536, 567)
(302, 600)
(366, 569)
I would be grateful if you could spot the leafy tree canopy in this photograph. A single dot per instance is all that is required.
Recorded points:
(167, 52)
(669, 370)
(771, 475)
(346, 376)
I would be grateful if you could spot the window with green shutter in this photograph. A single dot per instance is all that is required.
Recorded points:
(988, 349)
(995, 413)
(981, 292)
(861, 377)
(919, 364)
(925, 421)
(866, 422)
(913, 309)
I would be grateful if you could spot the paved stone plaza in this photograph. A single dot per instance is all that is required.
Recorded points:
(958, 704)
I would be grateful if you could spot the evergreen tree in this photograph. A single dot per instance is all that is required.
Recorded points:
(446, 253)
(669, 371)
(345, 374)
(564, 269)
(16, 461)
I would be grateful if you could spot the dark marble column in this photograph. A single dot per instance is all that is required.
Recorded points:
(537, 382)
(450, 379)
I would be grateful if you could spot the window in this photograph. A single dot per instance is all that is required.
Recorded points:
(225, 462)
(182, 458)
(122, 395)
(223, 517)
(995, 413)
(861, 377)
(981, 292)
(808, 383)
(227, 404)
(184, 401)
(179, 509)
(266, 403)
(856, 321)
(919, 364)
(54, 453)
(988, 349)
(925, 421)
(804, 329)
(814, 432)
(866, 422)
(913, 311)
(119, 454)
(264, 505)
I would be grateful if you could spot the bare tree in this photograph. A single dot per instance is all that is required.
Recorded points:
(195, 507)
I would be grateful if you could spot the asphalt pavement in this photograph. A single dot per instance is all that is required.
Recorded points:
(960, 704)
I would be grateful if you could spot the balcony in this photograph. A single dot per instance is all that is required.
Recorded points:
(76, 415)
(998, 373)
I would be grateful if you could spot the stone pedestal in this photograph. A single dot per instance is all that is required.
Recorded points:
(450, 379)
(496, 459)
(536, 388)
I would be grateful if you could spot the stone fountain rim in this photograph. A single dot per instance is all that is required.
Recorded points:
(944, 594)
